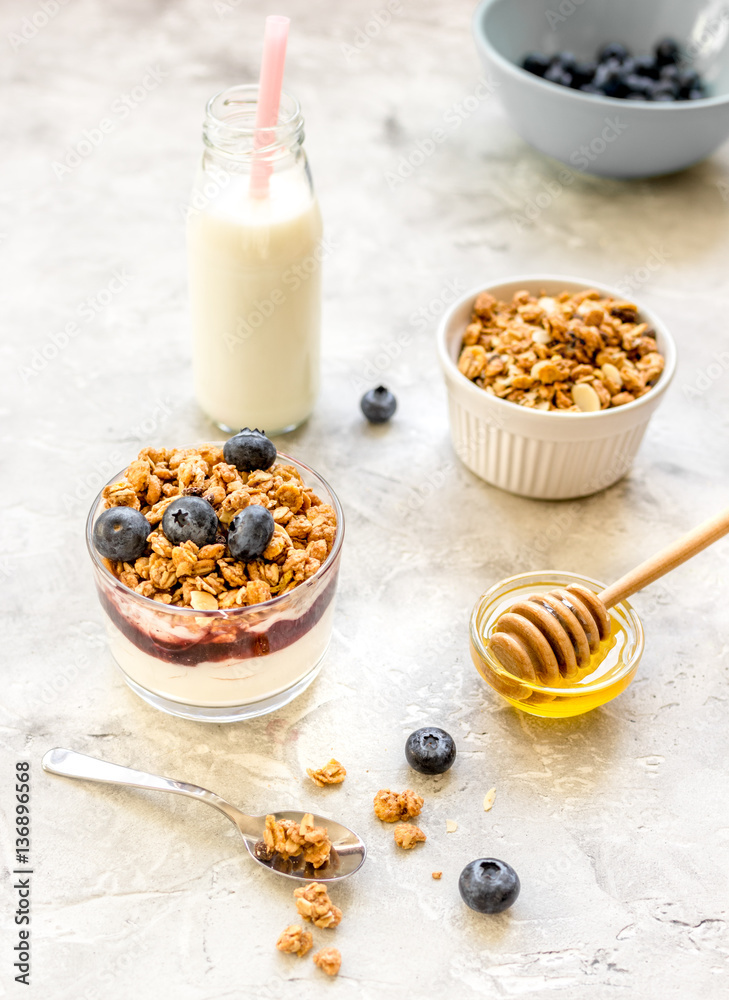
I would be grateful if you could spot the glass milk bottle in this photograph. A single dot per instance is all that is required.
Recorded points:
(255, 268)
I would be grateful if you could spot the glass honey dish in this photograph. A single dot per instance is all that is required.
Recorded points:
(610, 670)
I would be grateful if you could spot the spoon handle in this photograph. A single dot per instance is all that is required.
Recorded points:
(71, 764)
(667, 559)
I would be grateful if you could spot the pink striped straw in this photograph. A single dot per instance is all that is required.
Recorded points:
(269, 98)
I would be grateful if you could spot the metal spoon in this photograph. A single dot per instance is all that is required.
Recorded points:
(348, 851)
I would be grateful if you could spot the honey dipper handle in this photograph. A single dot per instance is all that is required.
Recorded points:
(666, 560)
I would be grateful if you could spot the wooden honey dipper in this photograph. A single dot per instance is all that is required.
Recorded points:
(549, 638)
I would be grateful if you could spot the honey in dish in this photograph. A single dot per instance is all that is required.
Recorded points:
(599, 681)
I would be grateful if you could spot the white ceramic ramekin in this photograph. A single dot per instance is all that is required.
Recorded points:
(547, 455)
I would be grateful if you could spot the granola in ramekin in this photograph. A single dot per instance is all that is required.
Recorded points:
(575, 352)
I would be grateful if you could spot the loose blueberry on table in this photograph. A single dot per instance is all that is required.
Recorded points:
(378, 405)
(488, 885)
(120, 533)
(190, 519)
(430, 750)
(249, 450)
(616, 73)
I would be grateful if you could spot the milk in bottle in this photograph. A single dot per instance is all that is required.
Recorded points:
(255, 271)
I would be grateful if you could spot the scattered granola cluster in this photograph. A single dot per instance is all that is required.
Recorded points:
(573, 352)
(314, 904)
(407, 836)
(290, 839)
(304, 531)
(295, 940)
(329, 960)
(332, 773)
(393, 806)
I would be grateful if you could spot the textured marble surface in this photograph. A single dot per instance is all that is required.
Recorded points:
(617, 822)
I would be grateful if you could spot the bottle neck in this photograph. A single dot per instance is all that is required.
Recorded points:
(232, 140)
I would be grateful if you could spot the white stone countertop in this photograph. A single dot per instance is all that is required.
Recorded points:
(617, 821)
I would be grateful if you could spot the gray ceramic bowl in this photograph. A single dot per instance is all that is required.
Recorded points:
(600, 135)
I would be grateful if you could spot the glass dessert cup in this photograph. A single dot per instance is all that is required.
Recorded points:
(609, 672)
(223, 665)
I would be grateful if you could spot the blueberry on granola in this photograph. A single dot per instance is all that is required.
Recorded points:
(249, 450)
(190, 519)
(430, 750)
(120, 533)
(488, 885)
(250, 532)
(378, 405)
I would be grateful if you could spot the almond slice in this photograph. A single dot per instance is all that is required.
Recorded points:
(201, 600)
(548, 304)
(489, 799)
(612, 374)
(585, 397)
